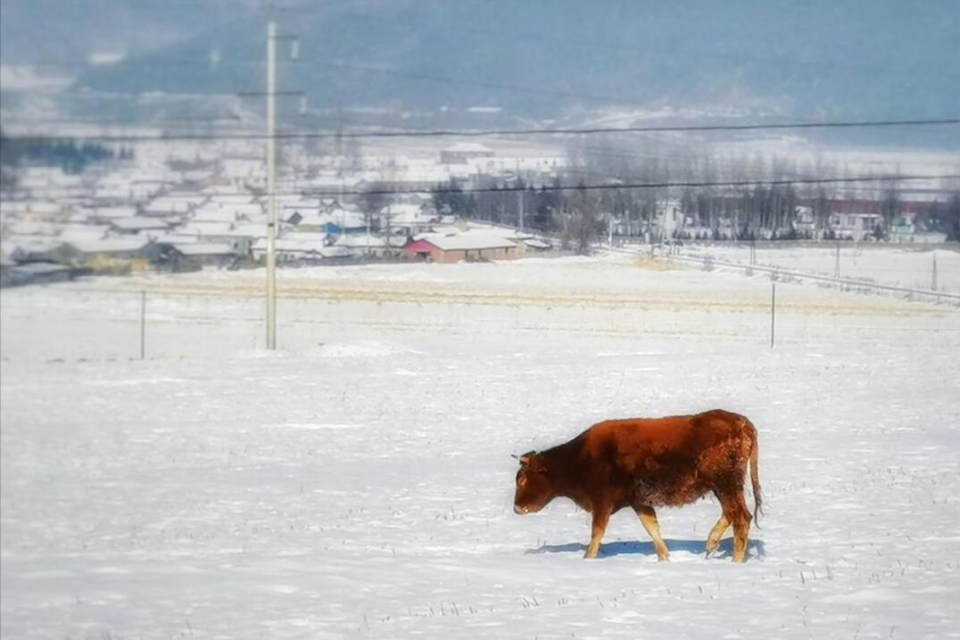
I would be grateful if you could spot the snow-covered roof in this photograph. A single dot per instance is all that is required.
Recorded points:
(509, 234)
(245, 231)
(442, 229)
(44, 207)
(137, 224)
(83, 232)
(113, 212)
(468, 241)
(315, 247)
(300, 236)
(195, 227)
(537, 244)
(204, 249)
(28, 228)
(170, 205)
(41, 268)
(406, 213)
(109, 245)
(339, 217)
(214, 216)
(28, 244)
(361, 242)
(175, 238)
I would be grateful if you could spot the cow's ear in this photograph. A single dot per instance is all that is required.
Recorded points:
(526, 459)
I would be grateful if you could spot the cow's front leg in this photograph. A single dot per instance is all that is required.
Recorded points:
(601, 516)
(648, 517)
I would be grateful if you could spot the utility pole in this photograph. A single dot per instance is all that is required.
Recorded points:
(520, 207)
(271, 185)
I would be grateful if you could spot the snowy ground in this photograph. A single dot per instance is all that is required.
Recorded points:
(911, 268)
(359, 482)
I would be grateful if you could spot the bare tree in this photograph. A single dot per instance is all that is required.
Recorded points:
(584, 223)
(371, 203)
(890, 209)
(951, 217)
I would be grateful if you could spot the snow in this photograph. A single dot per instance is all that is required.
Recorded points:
(359, 482)
(468, 240)
(898, 267)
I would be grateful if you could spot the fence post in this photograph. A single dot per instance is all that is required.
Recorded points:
(143, 325)
(934, 283)
(773, 312)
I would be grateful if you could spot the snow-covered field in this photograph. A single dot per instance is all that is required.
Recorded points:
(912, 268)
(359, 482)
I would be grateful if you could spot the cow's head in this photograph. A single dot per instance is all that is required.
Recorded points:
(534, 488)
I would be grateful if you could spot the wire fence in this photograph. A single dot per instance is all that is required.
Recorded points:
(81, 323)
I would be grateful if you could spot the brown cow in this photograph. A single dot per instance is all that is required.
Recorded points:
(647, 463)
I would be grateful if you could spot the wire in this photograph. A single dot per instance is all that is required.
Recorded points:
(660, 185)
(579, 187)
(849, 124)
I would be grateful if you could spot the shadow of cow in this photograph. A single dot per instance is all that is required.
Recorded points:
(755, 548)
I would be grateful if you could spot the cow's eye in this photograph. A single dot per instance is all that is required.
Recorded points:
(521, 480)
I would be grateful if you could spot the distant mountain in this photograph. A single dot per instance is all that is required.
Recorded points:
(424, 62)
(66, 32)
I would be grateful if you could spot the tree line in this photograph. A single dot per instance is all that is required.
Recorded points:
(758, 211)
(68, 155)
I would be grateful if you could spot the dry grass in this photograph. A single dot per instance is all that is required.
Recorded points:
(653, 263)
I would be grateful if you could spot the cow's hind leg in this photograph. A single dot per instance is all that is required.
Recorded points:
(601, 516)
(713, 540)
(736, 512)
(648, 517)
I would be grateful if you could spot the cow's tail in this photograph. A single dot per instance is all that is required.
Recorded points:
(755, 474)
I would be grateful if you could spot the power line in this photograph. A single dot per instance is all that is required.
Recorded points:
(848, 124)
(656, 185)
(307, 192)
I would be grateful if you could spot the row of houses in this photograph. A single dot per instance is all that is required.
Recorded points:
(60, 261)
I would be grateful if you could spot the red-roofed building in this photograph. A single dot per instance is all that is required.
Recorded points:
(468, 246)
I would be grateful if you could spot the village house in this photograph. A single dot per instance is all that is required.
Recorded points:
(131, 226)
(407, 220)
(167, 207)
(196, 255)
(854, 225)
(239, 237)
(369, 245)
(104, 214)
(335, 223)
(298, 250)
(13, 274)
(110, 254)
(469, 246)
